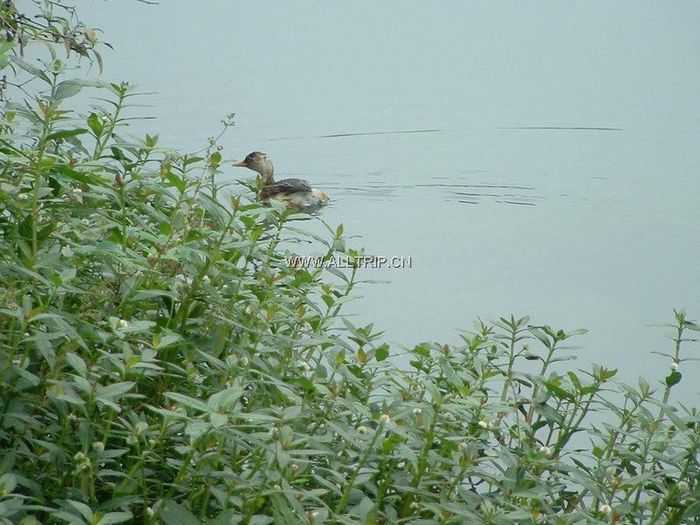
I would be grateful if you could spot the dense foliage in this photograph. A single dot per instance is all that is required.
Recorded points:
(160, 361)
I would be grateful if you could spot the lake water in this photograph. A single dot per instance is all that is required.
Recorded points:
(554, 170)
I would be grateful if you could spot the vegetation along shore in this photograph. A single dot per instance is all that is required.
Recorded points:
(162, 362)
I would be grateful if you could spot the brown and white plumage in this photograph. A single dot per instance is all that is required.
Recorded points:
(294, 193)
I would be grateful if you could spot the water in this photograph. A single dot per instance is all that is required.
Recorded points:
(537, 161)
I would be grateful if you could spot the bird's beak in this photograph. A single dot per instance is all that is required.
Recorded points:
(240, 164)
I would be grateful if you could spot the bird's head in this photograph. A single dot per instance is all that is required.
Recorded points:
(256, 161)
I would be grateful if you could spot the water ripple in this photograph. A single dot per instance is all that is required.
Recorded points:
(461, 193)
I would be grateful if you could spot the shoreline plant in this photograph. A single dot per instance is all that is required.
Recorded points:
(160, 362)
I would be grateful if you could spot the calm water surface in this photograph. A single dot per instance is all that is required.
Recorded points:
(553, 169)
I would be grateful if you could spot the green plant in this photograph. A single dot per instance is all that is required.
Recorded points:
(161, 362)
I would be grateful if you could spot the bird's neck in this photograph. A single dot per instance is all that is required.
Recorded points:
(266, 175)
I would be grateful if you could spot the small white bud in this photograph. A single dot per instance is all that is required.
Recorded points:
(546, 451)
(605, 508)
(384, 418)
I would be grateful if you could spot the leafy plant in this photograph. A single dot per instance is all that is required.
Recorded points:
(161, 362)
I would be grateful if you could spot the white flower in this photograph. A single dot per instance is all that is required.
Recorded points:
(122, 323)
(362, 429)
(546, 451)
(483, 424)
(23, 196)
(675, 365)
(417, 411)
(384, 418)
(605, 508)
(401, 464)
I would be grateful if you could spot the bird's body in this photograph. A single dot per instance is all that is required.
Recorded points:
(293, 193)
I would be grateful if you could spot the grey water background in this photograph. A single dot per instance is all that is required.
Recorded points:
(553, 169)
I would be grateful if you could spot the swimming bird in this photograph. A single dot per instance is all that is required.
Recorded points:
(294, 193)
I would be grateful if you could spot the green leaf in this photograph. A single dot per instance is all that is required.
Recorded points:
(70, 518)
(218, 420)
(549, 414)
(261, 519)
(5, 48)
(77, 363)
(188, 401)
(673, 378)
(137, 326)
(176, 181)
(67, 89)
(82, 508)
(227, 517)
(8, 482)
(94, 122)
(114, 390)
(118, 153)
(63, 134)
(85, 178)
(32, 70)
(557, 391)
(215, 159)
(224, 400)
(382, 352)
(115, 517)
(167, 340)
(693, 511)
(173, 513)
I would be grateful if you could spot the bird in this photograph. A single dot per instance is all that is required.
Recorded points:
(293, 193)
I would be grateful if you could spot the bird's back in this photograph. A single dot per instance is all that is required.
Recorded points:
(284, 187)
